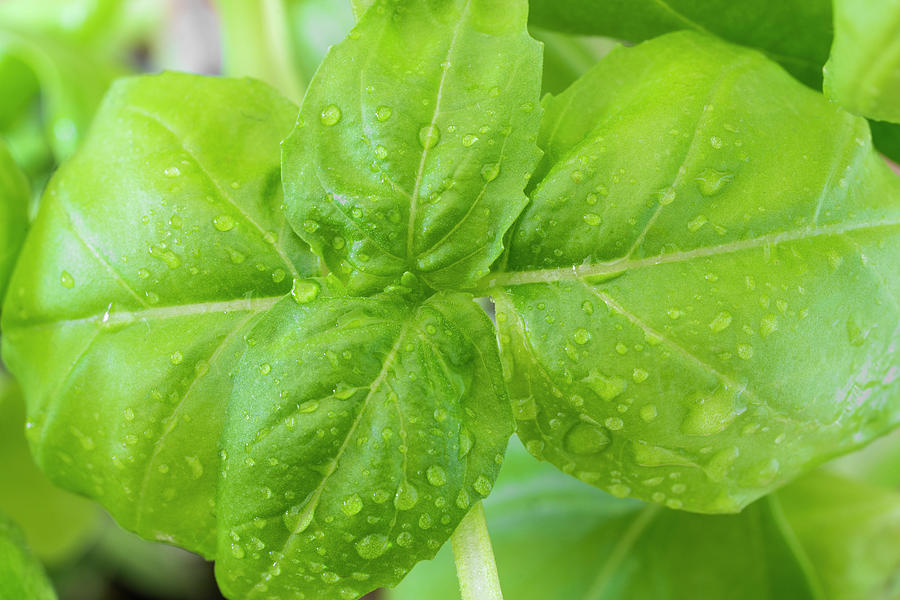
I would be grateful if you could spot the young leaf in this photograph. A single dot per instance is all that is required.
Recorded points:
(57, 525)
(795, 33)
(14, 196)
(863, 73)
(359, 433)
(155, 249)
(380, 184)
(558, 539)
(707, 293)
(21, 575)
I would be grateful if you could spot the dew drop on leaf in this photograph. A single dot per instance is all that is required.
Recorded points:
(429, 136)
(351, 505)
(383, 113)
(436, 475)
(304, 291)
(331, 115)
(67, 280)
(710, 181)
(223, 223)
(483, 485)
(586, 438)
(372, 546)
(490, 171)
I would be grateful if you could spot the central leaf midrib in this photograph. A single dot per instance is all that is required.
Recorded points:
(420, 173)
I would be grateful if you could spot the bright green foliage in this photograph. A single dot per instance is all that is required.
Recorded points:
(379, 184)
(849, 532)
(359, 433)
(558, 539)
(280, 42)
(719, 303)
(156, 248)
(57, 524)
(21, 575)
(14, 197)
(57, 58)
(863, 73)
(795, 33)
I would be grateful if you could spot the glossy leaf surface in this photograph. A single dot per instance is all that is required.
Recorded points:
(379, 184)
(558, 539)
(863, 73)
(57, 525)
(21, 575)
(155, 249)
(359, 433)
(14, 197)
(708, 292)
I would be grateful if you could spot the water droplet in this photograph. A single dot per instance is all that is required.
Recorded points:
(383, 113)
(619, 490)
(372, 546)
(331, 115)
(586, 438)
(405, 539)
(468, 140)
(172, 171)
(407, 497)
(607, 388)
(581, 336)
(710, 181)
(223, 223)
(720, 464)
(265, 369)
(710, 413)
(167, 256)
(639, 375)
(667, 197)
(856, 335)
(745, 351)
(305, 291)
(721, 322)
(429, 136)
(176, 358)
(768, 325)
(696, 223)
(490, 171)
(614, 423)
(351, 505)
(67, 280)
(436, 475)
(649, 413)
(716, 142)
(483, 485)
(380, 152)
(592, 219)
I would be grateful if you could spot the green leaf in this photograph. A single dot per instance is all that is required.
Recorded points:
(21, 575)
(359, 433)
(568, 57)
(57, 524)
(155, 249)
(795, 33)
(863, 73)
(558, 539)
(379, 184)
(14, 196)
(877, 464)
(849, 531)
(708, 292)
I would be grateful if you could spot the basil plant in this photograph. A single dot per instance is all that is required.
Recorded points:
(259, 332)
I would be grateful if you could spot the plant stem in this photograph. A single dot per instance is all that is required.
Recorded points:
(257, 44)
(475, 565)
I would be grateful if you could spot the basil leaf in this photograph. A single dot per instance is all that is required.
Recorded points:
(14, 197)
(706, 292)
(556, 538)
(379, 185)
(795, 33)
(155, 249)
(863, 73)
(877, 464)
(57, 524)
(849, 531)
(21, 575)
(359, 433)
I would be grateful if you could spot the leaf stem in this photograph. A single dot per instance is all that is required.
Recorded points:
(476, 568)
(257, 44)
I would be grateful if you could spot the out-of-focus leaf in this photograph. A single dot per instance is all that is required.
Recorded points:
(21, 575)
(57, 524)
